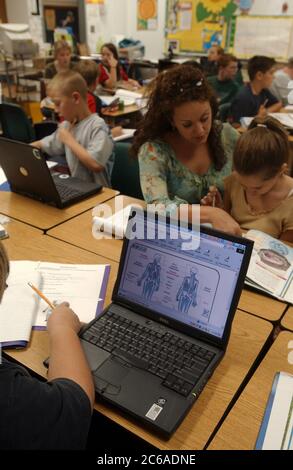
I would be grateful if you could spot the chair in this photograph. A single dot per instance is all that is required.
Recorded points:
(15, 123)
(125, 173)
(44, 128)
(224, 111)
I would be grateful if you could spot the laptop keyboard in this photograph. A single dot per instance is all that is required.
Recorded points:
(179, 363)
(67, 193)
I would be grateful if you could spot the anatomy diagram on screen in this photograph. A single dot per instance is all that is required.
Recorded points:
(187, 293)
(151, 277)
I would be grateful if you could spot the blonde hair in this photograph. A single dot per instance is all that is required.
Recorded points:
(66, 83)
(60, 46)
(89, 70)
(4, 269)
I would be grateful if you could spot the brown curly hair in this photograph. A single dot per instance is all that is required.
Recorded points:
(172, 88)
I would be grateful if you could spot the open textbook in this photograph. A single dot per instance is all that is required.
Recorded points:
(276, 432)
(82, 285)
(271, 266)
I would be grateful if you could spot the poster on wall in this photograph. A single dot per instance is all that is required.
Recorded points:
(198, 24)
(147, 15)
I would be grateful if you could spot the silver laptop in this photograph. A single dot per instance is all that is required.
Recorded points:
(153, 349)
(28, 174)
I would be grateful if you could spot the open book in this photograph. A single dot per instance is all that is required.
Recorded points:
(271, 266)
(82, 285)
(277, 426)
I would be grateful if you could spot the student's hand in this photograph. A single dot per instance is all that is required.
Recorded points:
(221, 220)
(262, 111)
(62, 317)
(134, 83)
(112, 62)
(65, 136)
(116, 131)
(213, 198)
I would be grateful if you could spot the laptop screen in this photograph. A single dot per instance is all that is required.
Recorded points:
(192, 286)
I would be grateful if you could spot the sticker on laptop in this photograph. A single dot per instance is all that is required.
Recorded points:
(36, 153)
(156, 409)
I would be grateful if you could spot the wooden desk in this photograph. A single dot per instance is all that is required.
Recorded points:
(43, 216)
(124, 112)
(261, 305)
(248, 336)
(287, 320)
(28, 243)
(78, 232)
(240, 429)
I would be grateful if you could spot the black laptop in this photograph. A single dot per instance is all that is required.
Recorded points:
(28, 174)
(153, 349)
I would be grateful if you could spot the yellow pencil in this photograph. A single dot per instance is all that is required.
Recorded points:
(41, 295)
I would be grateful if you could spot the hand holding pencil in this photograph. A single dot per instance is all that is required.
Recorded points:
(40, 294)
(213, 198)
(61, 316)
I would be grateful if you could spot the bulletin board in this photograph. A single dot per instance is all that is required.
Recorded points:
(195, 25)
(244, 27)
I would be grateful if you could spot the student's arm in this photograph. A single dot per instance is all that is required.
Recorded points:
(275, 108)
(219, 219)
(287, 236)
(80, 152)
(36, 144)
(67, 359)
(111, 82)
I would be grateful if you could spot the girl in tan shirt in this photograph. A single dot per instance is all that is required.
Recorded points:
(259, 193)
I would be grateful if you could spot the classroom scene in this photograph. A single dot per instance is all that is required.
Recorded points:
(146, 227)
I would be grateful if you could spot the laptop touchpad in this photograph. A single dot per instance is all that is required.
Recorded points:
(109, 376)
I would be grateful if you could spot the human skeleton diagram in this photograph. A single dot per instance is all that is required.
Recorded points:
(187, 293)
(151, 277)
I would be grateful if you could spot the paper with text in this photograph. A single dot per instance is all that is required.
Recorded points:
(18, 308)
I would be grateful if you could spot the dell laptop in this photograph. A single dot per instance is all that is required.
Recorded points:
(153, 349)
(28, 174)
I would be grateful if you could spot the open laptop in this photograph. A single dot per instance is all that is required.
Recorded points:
(28, 174)
(153, 349)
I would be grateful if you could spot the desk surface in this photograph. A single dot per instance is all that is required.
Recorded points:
(248, 335)
(78, 232)
(240, 429)
(287, 320)
(43, 216)
(28, 243)
(127, 110)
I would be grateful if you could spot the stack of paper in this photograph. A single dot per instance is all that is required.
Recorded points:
(114, 225)
(284, 118)
(82, 285)
(126, 134)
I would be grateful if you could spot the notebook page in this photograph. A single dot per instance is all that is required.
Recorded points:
(82, 285)
(19, 304)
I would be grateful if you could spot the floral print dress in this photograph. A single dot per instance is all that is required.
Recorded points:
(164, 179)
